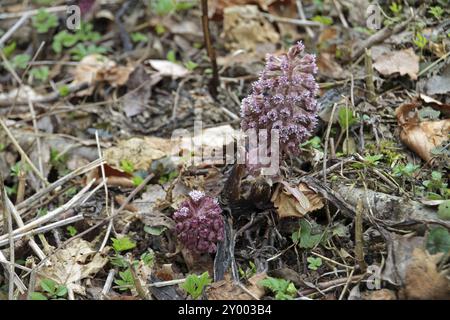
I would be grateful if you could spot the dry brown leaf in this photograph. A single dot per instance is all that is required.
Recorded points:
(79, 260)
(422, 136)
(383, 294)
(216, 7)
(295, 201)
(423, 280)
(328, 67)
(140, 152)
(403, 61)
(245, 28)
(95, 68)
(227, 290)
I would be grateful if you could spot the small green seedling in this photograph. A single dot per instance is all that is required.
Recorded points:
(396, 8)
(126, 281)
(81, 50)
(171, 56)
(438, 240)
(420, 41)
(43, 21)
(20, 61)
(304, 237)
(314, 143)
(249, 271)
(40, 73)
(436, 11)
(444, 210)
(346, 118)
(137, 37)
(314, 263)
(194, 285)
(51, 290)
(283, 289)
(123, 244)
(72, 231)
(327, 21)
(64, 91)
(127, 166)
(407, 170)
(190, 65)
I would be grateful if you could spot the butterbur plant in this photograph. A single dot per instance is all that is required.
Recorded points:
(199, 223)
(283, 99)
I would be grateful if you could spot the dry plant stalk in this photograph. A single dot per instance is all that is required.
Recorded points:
(359, 242)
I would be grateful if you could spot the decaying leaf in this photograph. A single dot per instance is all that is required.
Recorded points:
(402, 61)
(244, 27)
(96, 68)
(227, 290)
(168, 68)
(422, 136)
(383, 294)
(216, 7)
(140, 152)
(295, 201)
(329, 67)
(423, 279)
(78, 261)
(439, 84)
(139, 91)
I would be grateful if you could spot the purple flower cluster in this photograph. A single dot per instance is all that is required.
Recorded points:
(283, 98)
(199, 223)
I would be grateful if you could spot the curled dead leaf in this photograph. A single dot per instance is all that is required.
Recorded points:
(422, 136)
(96, 68)
(79, 260)
(423, 279)
(295, 201)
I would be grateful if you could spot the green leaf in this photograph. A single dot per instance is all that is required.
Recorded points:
(155, 231)
(373, 159)
(72, 231)
(43, 21)
(194, 285)
(118, 261)
(139, 37)
(127, 166)
(40, 73)
(61, 291)
(346, 118)
(21, 61)
(283, 289)
(137, 180)
(171, 56)
(126, 281)
(304, 238)
(9, 49)
(323, 20)
(123, 244)
(190, 65)
(64, 91)
(444, 210)
(37, 296)
(438, 240)
(314, 263)
(48, 285)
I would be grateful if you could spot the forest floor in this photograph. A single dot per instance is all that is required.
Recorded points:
(91, 175)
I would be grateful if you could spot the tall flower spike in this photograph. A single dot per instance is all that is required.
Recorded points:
(199, 223)
(283, 98)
